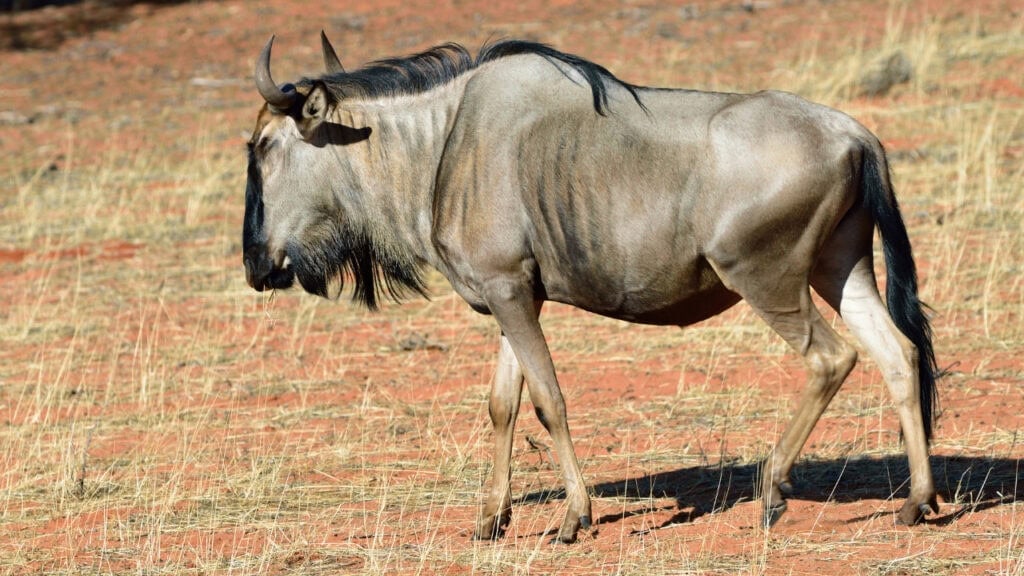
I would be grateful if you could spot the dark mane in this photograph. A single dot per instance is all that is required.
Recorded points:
(334, 251)
(595, 74)
(398, 76)
(442, 64)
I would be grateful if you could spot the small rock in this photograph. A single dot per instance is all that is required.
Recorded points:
(14, 118)
(886, 73)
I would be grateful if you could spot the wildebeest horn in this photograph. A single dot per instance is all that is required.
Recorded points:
(331, 61)
(274, 95)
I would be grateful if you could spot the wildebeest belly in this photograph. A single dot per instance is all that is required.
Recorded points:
(694, 308)
(665, 289)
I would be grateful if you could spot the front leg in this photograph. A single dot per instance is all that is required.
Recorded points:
(514, 309)
(506, 391)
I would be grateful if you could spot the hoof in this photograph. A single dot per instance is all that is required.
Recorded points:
(491, 536)
(494, 528)
(913, 513)
(570, 530)
(773, 513)
(564, 538)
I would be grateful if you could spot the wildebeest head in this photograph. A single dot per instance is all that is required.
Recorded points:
(304, 219)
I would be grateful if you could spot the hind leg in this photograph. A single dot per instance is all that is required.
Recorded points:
(851, 289)
(829, 360)
(773, 277)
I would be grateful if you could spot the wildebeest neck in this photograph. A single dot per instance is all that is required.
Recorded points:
(374, 227)
(394, 171)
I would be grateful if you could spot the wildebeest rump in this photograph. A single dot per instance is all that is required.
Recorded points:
(526, 174)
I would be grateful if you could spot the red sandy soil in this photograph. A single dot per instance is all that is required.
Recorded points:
(169, 76)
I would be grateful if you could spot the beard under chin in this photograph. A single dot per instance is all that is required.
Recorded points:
(322, 268)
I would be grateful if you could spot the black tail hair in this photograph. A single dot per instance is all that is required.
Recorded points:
(905, 308)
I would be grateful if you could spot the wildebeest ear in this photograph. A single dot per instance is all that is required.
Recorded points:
(315, 108)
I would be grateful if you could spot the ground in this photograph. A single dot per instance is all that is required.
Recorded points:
(159, 417)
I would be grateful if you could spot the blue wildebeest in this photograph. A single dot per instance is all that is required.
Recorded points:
(527, 174)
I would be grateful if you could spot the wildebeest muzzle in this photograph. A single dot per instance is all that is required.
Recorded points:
(263, 273)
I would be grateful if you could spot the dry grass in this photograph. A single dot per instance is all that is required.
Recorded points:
(159, 418)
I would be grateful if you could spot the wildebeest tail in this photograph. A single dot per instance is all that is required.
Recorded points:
(905, 308)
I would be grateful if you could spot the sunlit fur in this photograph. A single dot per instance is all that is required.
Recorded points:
(545, 178)
(330, 250)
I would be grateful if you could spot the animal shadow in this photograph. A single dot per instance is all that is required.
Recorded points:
(966, 484)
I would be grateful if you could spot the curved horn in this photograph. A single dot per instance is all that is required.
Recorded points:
(331, 61)
(275, 96)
